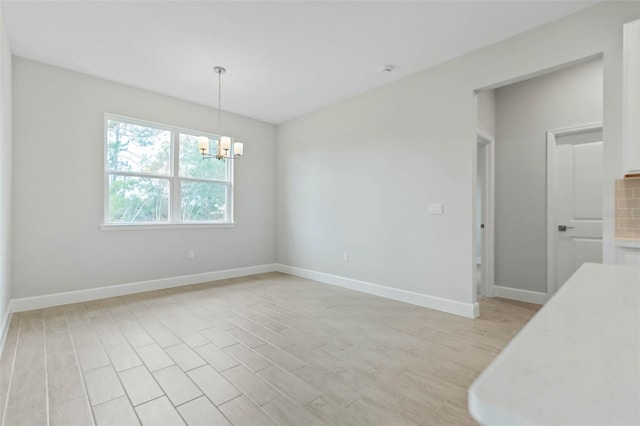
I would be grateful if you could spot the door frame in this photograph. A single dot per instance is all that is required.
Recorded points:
(488, 213)
(552, 136)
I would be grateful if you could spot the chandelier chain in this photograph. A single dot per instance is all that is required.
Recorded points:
(219, 106)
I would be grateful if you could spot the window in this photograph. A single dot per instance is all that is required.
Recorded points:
(154, 174)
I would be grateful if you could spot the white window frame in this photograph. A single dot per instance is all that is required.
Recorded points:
(174, 178)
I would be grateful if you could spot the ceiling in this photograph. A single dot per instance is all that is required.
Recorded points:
(283, 59)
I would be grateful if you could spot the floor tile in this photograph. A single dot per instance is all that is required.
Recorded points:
(92, 356)
(248, 357)
(201, 412)
(112, 337)
(123, 357)
(453, 414)
(76, 411)
(331, 412)
(245, 337)
(256, 389)
(140, 385)
(64, 379)
(329, 384)
(159, 412)
(216, 357)
(369, 413)
(220, 323)
(138, 337)
(117, 412)
(185, 357)
(164, 337)
(177, 385)
(280, 357)
(242, 322)
(288, 351)
(154, 357)
(241, 411)
(289, 384)
(218, 337)
(272, 337)
(286, 412)
(26, 409)
(102, 385)
(191, 337)
(213, 384)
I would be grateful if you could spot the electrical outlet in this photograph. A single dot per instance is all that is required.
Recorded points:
(191, 254)
(436, 208)
(345, 256)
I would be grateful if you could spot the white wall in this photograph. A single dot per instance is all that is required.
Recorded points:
(5, 173)
(58, 188)
(524, 113)
(357, 176)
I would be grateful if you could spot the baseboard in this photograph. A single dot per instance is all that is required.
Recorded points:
(469, 310)
(521, 295)
(56, 299)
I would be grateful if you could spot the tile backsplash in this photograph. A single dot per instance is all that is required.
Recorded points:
(628, 208)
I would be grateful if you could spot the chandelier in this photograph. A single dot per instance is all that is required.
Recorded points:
(227, 149)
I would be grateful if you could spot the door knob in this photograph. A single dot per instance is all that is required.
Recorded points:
(563, 228)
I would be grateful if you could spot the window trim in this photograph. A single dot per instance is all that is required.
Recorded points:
(153, 225)
(175, 182)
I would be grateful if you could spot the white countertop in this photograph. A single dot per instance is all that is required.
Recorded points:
(576, 362)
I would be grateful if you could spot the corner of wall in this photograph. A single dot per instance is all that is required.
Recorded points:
(6, 141)
(276, 242)
(468, 310)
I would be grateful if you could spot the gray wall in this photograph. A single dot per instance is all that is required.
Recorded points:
(5, 173)
(58, 188)
(524, 112)
(357, 176)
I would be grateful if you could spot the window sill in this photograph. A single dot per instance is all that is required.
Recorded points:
(628, 243)
(140, 226)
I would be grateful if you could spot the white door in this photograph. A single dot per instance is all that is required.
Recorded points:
(577, 204)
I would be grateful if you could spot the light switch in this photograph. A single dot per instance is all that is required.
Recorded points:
(436, 208)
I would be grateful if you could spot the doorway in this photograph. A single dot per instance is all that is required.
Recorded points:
(484, 215)
(575, 159)
(531, 257)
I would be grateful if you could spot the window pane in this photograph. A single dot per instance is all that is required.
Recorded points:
(135, 199)
(193, 166)
(134, 148)
(203, 201)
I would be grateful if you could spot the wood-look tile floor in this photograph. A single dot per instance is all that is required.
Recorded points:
(261, 350)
